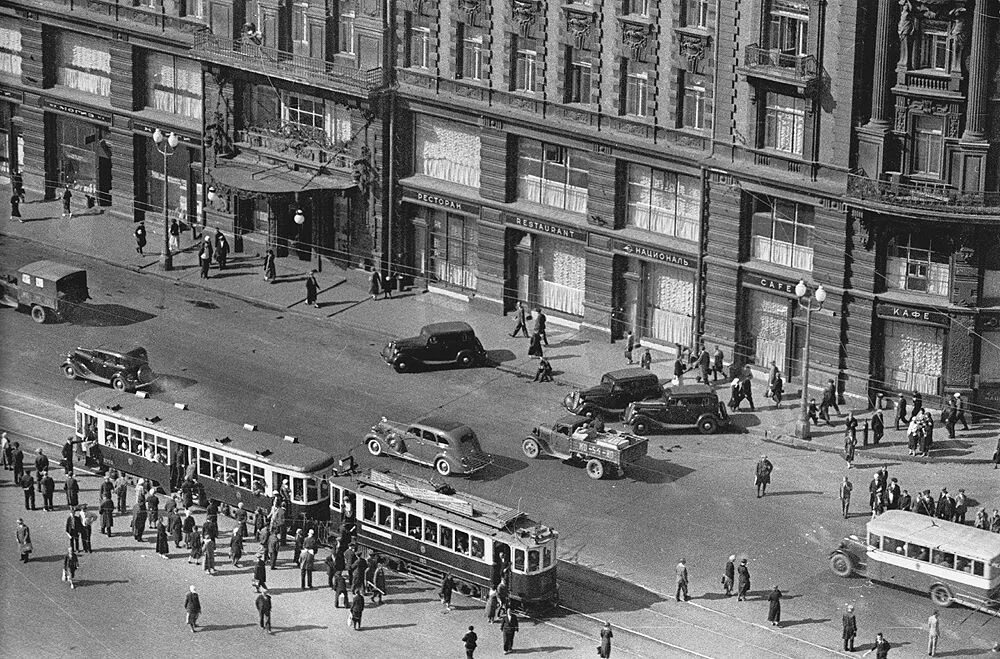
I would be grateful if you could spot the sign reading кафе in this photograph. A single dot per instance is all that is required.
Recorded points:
(653, 254)
(912, 315)
(550, 228)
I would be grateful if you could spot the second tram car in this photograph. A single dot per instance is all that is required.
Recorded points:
(234, 464)
(430, 531)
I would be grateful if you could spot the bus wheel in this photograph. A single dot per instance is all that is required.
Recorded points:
(941, 595)
(841, 565)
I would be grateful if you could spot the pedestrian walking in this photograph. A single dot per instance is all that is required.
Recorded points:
(535, 346)
(776, 389)
(378, 582)
(829, 400)
(205, 256)
(70, 564)
(850, 629)
(72, 489)
(121, 493)
(774, 607)
(522, 320)
(175, 234)
(447, 586)
(189, 527)
(762, 477)
(682, 581)
(221, 249)
(918, 403)
(67, 198)
(729, 575)
(312, 289)
(107, 513)
(15, 208)
(23, 535)
(162, 539)
(269, 272)
(845, 496)
(263, 604)
(850, 444)
(878, 427)
(679, 368)
(152, 508)
(544, 371)
(140, 238)
(192, 607)
(17, 184)
(195, 548)
(357, 608)
(960, 407)
(138, 521)
(73, 530)
(704, 364)
(629, 346)
(86, 528)
(852, 426)
(306, 562)
(175, 527)
(208, 551)
(27, 483)
(646, 360)
(375, 284)
(539, 326)
(492, 604)
(743, 573)
(509, 627)
(387, 284)
(604, 649)
(901, 410)
(933, 628)
(469, 641)
(236, 548)
(881, 647)
(272, 548)
(17, 460)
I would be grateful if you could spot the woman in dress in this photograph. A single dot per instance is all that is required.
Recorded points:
(774, 607)
(606, 636)
(260, 573)
(162, 541)
(375, 285)
(236, 547)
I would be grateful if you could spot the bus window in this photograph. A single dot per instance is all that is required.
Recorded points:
(917, 551)
(977, 568)
(415, 525)
(368, 511)
(546, 556)
(218, 468)
(430, 531)
(944, 559)
(384, 516)
(963, 564)
(519, 560)
(205, 463)
(893, 545)
(445, 538)
(478, 547)
(462, 542)
(874, 540)
(399, 521)
(312, 490)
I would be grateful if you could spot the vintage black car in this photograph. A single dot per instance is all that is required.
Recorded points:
(125, 371)
(452, 342)
(686, 405)
(616, 390)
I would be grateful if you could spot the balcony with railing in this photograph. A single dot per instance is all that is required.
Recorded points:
(247, 54)
(934, 199)
(772, 64)
(125, 15)
(296, 144)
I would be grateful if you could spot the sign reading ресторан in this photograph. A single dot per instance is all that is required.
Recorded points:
(911, 315)
(78, 112)
(653, 254)
(440, 201)
(550, 228)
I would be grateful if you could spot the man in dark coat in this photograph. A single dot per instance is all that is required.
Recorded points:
(17, 458)
(945, 506)
(339, 588)
(306, 562)
(140, 237)
(189, 527)
(522, 322)
(878, 427)
(918, 403)
(358, 569)
(729, 575)
(272, 549)
(107, 511)
(762, 476)
(107, 489)
(67, 455)
(774, 607)
(138, 520)
(901, 411)
(743, 587)
(73, 529)
(509, 627)
(881, 647)
(205, 256)
(192, 605)
(850, 629)
(357, 608)
(153, 508)
(221, 249)
(312, 289)
(72, 489)
(27, 483)
(263, 604)
(41, 462)
(905, 501)
(539, 326)
(48, 487)
(260, 573)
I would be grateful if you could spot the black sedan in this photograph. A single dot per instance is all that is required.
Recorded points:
(125, 371)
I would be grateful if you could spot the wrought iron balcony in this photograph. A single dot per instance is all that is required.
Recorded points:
(294, 142)
(936, 199)
(248, 55)
(772, 64)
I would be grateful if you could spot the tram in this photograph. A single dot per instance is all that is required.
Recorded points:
(431, 530)
(157, 440)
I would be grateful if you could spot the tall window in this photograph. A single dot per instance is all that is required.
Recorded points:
(782, 234)
(697, 13)
(662, 202)
(934, 47)
(453, 249)
(789, 26)
(694, 105)
(194, 8)
(325, 121)
(446, 150)
(419, 55)
(552, 175)
(472, 53)
(526, 65)
(640, 7)
(918, 263)
(10, 50)
(636, 90)
(300, 25)
(83, 63)
(345, 28)
(927, 145)
(784, 123)
(578, 75)
(174, 85)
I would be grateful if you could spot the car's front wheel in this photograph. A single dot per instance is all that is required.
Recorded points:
(443, 467)
(707, 425)
(118, 382)
(530, 448)
(466, 359)
(375, 447)
(402, 365)
(641, 425)
(69, 371)
(841, 565)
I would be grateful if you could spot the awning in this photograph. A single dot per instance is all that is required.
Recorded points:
(265, 179)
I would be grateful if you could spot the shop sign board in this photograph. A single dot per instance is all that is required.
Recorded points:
(654, 254)
(912, 315)
(90, 115)
(549, 228)
(440, 201)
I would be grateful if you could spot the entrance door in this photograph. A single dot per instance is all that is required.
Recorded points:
(104, 181)
(794, 366)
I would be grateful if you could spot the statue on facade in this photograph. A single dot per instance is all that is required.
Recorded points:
(906, 29)
(959, 38)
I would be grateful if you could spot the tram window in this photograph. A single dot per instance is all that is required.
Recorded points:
(532, 560)
(205, 463)
(335, 497)
(399, 521)
(874, 540)
(546, 556)
(218, 470)
(416, 524)
(368, 511)
(977, 568)
(917, 551)
(324, 488)
(258, 475)
(478, 547)
(462, 542)
(446, 537)
(430, 531)
(312, 490)
(298, 489)
(245, 478)
(519, 560)
(384, 516)
(136, 436)
(893, 545)
(944, 559)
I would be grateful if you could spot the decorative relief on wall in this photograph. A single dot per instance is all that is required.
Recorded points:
(579, 25)
(635, 38)
(471, 9)
(524, 13)
(692, 49)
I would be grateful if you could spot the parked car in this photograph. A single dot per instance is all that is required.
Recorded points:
(125, 371)
(448, 446)
(48, 289)
(573, 437)
(452, 342)
(686, 405)
(616, 390)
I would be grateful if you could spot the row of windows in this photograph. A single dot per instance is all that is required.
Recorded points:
(931, 555)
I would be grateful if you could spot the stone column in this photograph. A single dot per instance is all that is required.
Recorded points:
(975, 112)
(880, 86)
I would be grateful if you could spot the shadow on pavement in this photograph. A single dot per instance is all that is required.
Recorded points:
(107, 315)
(602, 592)
(500, 356)
(500, 467)
(296, 628)
(163, 383)
(804, 621)
(653, 471)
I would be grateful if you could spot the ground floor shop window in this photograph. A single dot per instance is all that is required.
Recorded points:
(659, 301)
(451, 257)
(561, 275)
(768, 320)
(914, 357)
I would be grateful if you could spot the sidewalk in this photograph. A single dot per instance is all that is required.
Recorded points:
(344, 300)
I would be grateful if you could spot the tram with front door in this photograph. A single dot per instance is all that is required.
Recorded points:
(234, 463)
(431, 530)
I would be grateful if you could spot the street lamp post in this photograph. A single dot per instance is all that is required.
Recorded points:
(802, 424)
(168, 149)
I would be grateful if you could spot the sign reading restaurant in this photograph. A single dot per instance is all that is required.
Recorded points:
(911, 315)
(654, 254)
(430, 199)
(78, 112)
(550, 228)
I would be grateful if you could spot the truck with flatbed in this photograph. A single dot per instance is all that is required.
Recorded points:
(575, 437)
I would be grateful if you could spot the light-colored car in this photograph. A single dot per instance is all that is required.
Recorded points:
(449, 446)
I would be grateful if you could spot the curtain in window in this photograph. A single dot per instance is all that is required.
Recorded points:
(84, 64)
(688, 208)
(938, 276)
(768, 327)
(10, 51)
(670, 295)
(338, 123)
(561, 275)
(447, 151)
(914, 356)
